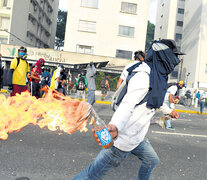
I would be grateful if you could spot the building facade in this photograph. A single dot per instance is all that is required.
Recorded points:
(194, 43)
(106, 27)
(169, 24)
(28, 23)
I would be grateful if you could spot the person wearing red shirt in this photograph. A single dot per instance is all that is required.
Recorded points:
(35, 78)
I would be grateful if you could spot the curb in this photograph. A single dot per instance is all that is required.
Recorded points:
(108, 102)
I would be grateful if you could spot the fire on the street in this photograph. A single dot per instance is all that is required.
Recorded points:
(53, 111)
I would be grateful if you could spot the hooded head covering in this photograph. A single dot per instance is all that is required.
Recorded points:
(162, 60)
(39, 64)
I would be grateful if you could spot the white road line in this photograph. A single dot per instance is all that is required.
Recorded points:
(180, 134)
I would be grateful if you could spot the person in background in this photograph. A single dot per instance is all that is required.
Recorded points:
(35, 79)
(202, 100)
(19, 68)
(104, 87)
(81, 85)
(169, 101)
(197, 96)
(60, 80)
(138, 57)
(45, 80)
(90, 76)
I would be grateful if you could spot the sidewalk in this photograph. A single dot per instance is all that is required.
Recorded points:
(107, 100)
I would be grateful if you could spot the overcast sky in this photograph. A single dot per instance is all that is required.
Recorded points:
(63, 5)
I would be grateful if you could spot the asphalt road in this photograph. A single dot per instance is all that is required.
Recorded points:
(40, 154)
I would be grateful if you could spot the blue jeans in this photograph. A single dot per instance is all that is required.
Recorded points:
(202, 107)
(109, 158)
(91, 97)
(168, 123)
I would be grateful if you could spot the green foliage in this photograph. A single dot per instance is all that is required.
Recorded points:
(113, 79)
(61, 24)
(150, 35)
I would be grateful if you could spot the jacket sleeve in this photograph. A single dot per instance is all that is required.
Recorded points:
(10, 76)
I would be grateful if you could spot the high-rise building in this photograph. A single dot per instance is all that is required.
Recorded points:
(28, 23)
(194, 43)
(169, 24)
(106, 27)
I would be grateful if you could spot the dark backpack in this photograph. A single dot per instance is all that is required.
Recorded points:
(18, 61)
(81, 84)
(103, 83)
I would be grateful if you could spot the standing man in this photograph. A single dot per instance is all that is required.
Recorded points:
(90, 76)
(138, 57)
(130, 122)
(169, 100)
(18, 71)
(104, 87)
(81, 85)
(36, 74)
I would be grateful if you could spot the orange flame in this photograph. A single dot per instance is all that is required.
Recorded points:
(55, 111)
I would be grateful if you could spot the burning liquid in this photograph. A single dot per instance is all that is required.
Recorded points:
(54, 111)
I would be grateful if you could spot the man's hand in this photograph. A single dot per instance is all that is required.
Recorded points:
(10, 87)
(112, 130)
(174, 114)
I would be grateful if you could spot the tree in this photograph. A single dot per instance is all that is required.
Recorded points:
(150, 35)
(61, 24)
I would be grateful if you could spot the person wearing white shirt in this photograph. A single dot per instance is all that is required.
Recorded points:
(130, 122)
(170, 102)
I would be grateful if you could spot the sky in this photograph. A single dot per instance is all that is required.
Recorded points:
(63, 5)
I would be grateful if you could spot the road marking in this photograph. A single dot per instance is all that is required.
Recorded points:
(180, 134)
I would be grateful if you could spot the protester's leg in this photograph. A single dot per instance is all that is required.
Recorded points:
(145, 152)
(202, 107)
(84, 95)
(76, 95)
(92, 97)
(24, 88)
(89, 97)
(105, 160)
(168, 123)
(16, 89)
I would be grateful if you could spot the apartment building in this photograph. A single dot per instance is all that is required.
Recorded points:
(28, 22)
(194, 43)
(106, 27)
(169, 24)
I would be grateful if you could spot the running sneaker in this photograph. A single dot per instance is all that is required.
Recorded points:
(170, 128)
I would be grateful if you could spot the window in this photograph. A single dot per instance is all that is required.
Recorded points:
(89, 3)
(126, 31)
(161, 16)
(124, 54)
(206, 69)
(129, 8)
(182, 0)
(85, 49)
(178, 36)
(180, 23)
(180, 11)
(174, 74)
(5, 23)
(5, 3)
(3, 40)
(87, 26)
